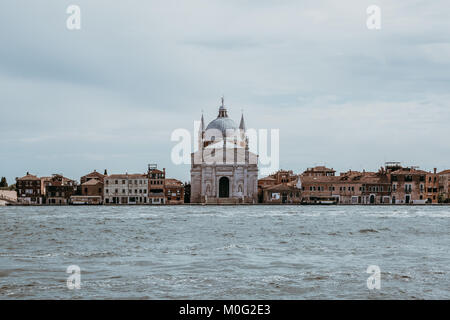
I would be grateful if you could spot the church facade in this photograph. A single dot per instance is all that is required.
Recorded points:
(223, 170)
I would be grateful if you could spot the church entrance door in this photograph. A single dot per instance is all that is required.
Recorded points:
(224, 187)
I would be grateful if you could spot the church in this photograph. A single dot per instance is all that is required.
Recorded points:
(223, 170)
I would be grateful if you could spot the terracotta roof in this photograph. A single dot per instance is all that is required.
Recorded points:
(93, 174)
(375, 179)
(127, 176)
(173, 182)
(29, 177)
(155, 171)
(91, 182)
(320, 168)
(329, 179)
(267, 178)
(445, 172)
(281, 187)
(409, 171)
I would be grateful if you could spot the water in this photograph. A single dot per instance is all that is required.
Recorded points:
(213, 252)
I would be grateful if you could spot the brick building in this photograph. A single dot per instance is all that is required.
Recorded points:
(319, 171)
(29, 189)
(156, 184)
(280, 187)
(58, 189)
(91, 189)
(408, 186)
(432, 187)
(444, 185)
(174, 191)
(351, 187)
(287, 193)
(93, 175)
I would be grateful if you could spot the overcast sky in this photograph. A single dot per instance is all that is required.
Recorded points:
(110, 95)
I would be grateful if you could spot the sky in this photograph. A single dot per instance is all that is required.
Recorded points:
(109, 96)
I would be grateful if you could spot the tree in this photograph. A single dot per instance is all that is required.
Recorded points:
(187, 192)
(3, 183)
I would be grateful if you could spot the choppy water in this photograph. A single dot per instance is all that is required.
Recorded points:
(211, 252)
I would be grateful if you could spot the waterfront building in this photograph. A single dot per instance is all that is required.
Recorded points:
(282, 193)
(321, 185)
(156, 184)
(174, 191)
(93, 175)
(444, 185)
(432, 187)
(376, 188)
(408, 185)
(280, 187)
(91, 189)
(58, 189)
(351, 187)
(321, 171)
(223, 170)
(126, 189)
(29, 189)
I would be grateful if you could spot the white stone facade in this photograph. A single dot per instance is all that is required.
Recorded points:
(223, 170)
(126, 189)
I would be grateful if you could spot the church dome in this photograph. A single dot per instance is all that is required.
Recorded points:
(222, 124)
